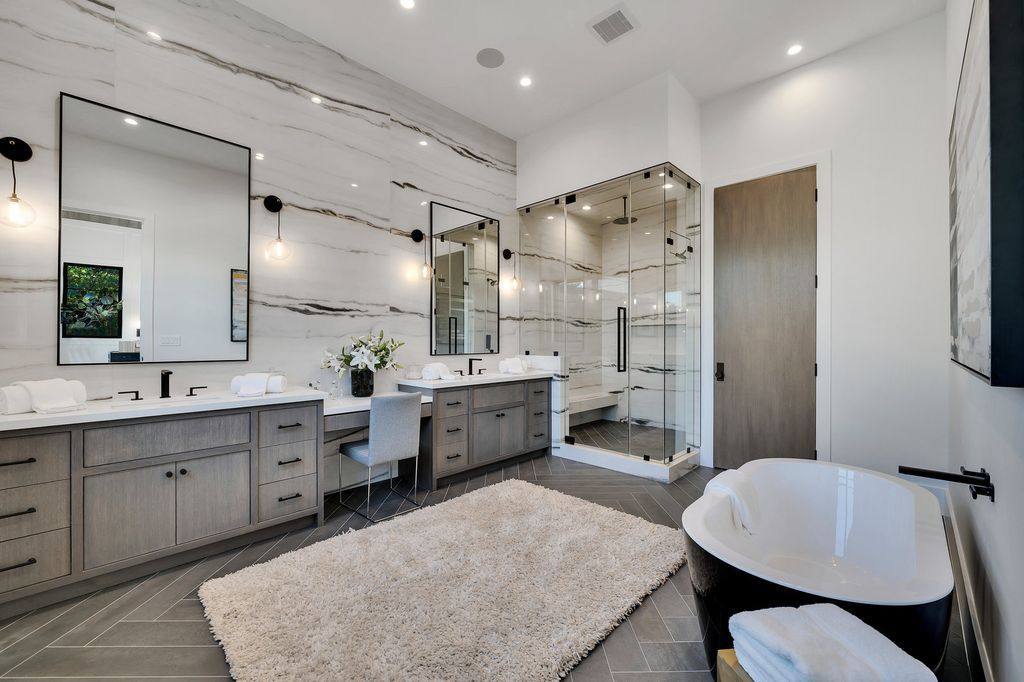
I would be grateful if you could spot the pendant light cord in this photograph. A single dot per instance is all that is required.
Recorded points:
(278, 226)
(14, 174)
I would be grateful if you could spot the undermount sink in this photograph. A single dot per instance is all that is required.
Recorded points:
(161, 402)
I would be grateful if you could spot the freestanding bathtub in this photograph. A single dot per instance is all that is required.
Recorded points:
(870, 543)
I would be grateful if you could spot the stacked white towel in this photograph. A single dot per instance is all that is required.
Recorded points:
(512, 366)
(742, 494)
(49, 396)
(436, 370)
(255, 384)
(818, 642)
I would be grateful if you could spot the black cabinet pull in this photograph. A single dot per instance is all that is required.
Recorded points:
(539, 435)
(500, 414)
(169, 474)
(183, 471)
(457, 402)
(537, 414)
(30, 510)
(289, 497)
(23, 564)
(455, 430)
(289, 426)
(288, 461)
(538, 392)
(30, 460)
(455, 456)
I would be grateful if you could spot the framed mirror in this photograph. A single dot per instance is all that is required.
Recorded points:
(154, 240)
(464, 289)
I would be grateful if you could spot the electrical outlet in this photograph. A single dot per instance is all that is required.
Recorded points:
(170, 340)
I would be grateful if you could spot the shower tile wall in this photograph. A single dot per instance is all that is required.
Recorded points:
(228, 71)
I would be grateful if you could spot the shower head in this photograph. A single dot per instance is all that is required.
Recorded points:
(624, 220)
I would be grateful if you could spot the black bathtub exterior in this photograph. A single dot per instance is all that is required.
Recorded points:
(722, 590)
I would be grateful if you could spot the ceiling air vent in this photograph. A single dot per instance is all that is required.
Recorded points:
(611, 25)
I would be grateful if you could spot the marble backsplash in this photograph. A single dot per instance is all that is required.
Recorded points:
(228, 71)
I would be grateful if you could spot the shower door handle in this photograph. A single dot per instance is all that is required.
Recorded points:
(719, 371)
(620, 339)
(453, 334)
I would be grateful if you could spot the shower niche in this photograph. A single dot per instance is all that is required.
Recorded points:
(610, 283)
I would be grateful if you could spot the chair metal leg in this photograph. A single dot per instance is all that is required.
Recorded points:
(391, 485)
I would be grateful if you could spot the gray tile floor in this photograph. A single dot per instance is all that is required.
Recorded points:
(153, 628)
(631, 439)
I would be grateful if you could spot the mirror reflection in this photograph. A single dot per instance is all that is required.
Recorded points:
(464, 252)
(154, 241)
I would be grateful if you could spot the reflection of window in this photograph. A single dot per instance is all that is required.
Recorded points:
(91, 301)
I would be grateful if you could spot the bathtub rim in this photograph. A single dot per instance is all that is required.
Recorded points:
(696, 529)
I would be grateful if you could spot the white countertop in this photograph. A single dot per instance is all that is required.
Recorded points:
(110, 410)
(346, 404)
(475, 380)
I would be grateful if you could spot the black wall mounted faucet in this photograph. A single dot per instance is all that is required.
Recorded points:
(980, 482)
(165, 383)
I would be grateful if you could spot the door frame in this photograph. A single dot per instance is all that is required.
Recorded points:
(822, 160)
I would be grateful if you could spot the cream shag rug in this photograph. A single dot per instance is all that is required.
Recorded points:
(508, 582)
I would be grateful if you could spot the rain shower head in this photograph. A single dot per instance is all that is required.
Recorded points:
(624, 220)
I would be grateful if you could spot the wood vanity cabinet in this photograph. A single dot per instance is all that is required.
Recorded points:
(482, 424)
(113, 499)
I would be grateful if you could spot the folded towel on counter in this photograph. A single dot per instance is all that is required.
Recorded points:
(433, 371)
(737, 486)
(253, 385)
(276, 384)
(512, 366)
(15, 400)
(818, 642)
(54, 395)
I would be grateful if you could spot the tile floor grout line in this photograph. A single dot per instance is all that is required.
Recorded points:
(191, 568)
(226, 562)
(123, 596)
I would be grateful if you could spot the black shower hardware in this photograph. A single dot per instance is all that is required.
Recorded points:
(165, 383)
(621, 332)
(980, 482)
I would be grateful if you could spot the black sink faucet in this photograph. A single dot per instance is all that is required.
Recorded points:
(471, 361)
(165, 383)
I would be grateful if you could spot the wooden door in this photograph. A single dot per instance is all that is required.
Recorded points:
(127, 514)
(765, 296)
(486, 431)
(513, 431)
(212, 495)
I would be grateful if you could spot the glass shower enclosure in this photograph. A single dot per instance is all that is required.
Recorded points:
(610, 282)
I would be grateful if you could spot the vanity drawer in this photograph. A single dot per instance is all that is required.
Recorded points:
(537, 392)
(451, 404)
(286, 497)
(25, 460)
(109, 444)
(538, 433)
(280, 462)
(35, 509)
(289, 425)
(486, 397)
(451, 457)
(537, 412)
(452, 430)
(34, 559)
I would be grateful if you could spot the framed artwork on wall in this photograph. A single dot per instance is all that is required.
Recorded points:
(986, 197)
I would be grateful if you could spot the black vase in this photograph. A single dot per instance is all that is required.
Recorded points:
(362, 383)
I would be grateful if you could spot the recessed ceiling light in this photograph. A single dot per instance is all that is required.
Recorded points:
(131, 121)
(423, 203)
(586, 207)
(423, 143)
(355, 184)
(476, 238)
(668, 185)
(661, 175)
(607, 217)
(551, 217)
(794, 49)
(646, 232)
(154, 35)
(407, 4)
(259, 156)
(315, 100)
(526, 81)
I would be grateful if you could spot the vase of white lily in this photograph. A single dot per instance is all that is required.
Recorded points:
(364, 357)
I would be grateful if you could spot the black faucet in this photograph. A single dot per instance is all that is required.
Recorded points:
(165, 383)
(471, 361)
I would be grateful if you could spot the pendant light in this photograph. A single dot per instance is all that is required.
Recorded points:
(14, 210)
(514, 284)
(277, 248)
(426, 271)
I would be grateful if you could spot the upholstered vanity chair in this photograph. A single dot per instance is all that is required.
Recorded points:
(394, 436)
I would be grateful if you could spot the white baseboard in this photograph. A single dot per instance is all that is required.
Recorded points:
(972, 603)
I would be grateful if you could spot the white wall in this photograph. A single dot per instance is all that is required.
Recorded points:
(653, 122)
(876, 109)
(986, 428)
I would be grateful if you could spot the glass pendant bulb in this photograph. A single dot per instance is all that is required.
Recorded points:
(278, 249)
(426, 271)
(514, 283)
(17, 212)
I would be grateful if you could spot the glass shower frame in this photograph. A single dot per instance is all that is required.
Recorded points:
(617, 298)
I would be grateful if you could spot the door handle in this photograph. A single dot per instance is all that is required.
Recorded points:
(719, 371)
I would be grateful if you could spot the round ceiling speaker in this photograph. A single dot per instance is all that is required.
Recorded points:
(490, 58)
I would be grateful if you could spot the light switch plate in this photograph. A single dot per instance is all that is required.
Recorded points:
(172, 340)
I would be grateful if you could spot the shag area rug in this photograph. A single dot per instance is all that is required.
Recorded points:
(509, 582)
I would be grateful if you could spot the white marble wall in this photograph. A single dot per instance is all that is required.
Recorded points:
(228, 71)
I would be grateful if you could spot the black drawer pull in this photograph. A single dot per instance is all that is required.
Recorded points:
(538, 392)
(455, 456)
(455, 430)
(289, 426)
(539, 435)
(288, 461)
(23, 564)
(289, 497)
(30, 510)
(30, 460)
(500, 414)
(538, 414)
(457, 402)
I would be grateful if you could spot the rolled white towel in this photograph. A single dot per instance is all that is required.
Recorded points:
(436, 370)
(253, 385)
(818, 642)
(15, 400)
(54, 395)
(511, 366)
(276, 384)
(737, 486)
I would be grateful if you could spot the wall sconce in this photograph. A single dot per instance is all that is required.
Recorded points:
(507, 255)
(427, 271)
(15, 211)
(276, 248)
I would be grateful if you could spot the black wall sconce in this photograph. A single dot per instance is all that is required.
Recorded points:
(507, 255)
(427, 271)
(277, 248)
(15, 211)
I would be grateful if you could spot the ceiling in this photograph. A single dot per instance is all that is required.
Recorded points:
(712, 46)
